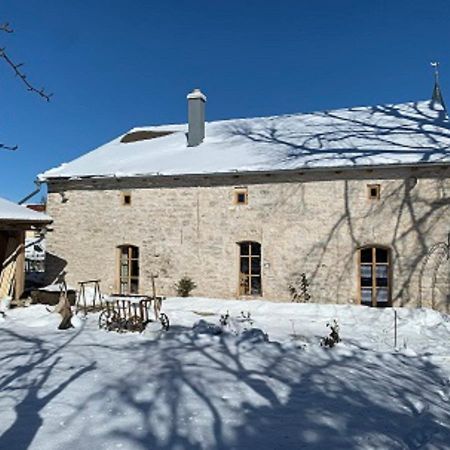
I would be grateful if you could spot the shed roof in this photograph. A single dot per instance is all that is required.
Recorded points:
(11, 212)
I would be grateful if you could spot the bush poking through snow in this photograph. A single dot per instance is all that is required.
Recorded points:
(185, 286)
(333, 338)
(238, 324)
(299, 288)
(224, 320)
(246, 318)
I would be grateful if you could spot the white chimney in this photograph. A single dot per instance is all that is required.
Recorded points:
(196, 117)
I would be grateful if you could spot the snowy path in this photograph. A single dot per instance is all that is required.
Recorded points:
(89, 389)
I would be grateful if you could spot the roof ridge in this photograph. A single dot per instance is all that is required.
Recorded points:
(273, 116)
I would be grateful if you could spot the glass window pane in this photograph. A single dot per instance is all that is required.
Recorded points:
(382, 295)
(245, 248)
(256, 248)
(244, 265)
(366, 255)
(366, 275)
(366, 296)
(366, 271)
(244, 284)
(124, 270)
(256, 266)
(381, 255)
(256, 286)
(382, 271)
(241, 197)
(134, 268)
(134, 286)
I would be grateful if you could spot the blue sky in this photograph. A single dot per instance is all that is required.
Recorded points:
(117, 64)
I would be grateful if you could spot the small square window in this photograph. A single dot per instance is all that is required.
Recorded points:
(373, 191)
(240, 196)
(126, 198)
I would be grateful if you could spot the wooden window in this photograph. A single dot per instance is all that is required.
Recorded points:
(250, 268)
(373, 191)
(374, 276)
(128, 269)
(240, 196)
(126, 198)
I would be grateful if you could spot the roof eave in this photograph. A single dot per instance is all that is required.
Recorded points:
(254, 172)
(28, 222)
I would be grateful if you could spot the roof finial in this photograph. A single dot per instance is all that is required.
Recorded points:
(437, 96)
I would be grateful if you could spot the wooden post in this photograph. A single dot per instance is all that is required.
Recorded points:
(20, 266)
(395, 328)
(153, 286)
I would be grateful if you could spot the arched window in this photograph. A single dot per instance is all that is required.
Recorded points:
(374, 276)
(128, 269)
(250, 268)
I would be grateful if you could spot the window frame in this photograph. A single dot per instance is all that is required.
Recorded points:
(242, 292)
(377, 188)
(374, 286)
(129, 277)
(239, 191)
(125, 195)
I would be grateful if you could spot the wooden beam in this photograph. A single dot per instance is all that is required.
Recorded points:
(20, 267)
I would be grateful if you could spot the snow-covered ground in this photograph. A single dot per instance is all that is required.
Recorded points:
(191, 389)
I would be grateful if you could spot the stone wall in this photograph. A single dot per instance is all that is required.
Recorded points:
(307, 226)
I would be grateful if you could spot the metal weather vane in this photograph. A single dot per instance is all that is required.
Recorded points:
(437, 93)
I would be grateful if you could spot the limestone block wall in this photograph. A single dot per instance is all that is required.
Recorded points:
(314, 227)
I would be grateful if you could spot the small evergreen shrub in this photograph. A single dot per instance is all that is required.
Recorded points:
(185, 286)
(299, 288)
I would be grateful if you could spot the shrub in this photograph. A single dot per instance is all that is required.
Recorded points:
(185, 286)
(333, 338)
(299, 288)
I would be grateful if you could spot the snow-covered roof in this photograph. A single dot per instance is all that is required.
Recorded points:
(406, 133)
(11, 212)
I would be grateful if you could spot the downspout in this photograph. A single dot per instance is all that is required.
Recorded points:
(32, 194)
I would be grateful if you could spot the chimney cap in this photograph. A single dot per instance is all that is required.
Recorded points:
(195, 94)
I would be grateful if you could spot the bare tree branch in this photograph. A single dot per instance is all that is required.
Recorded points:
(16, 68)
(8, 147)
(6, 28)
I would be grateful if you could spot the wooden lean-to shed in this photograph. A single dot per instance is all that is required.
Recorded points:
(15, 220)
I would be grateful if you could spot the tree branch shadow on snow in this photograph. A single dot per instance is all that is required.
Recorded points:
(191, 392)
(30, 383)
(413, 216)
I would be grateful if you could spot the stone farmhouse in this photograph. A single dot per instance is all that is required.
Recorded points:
(354, 201)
